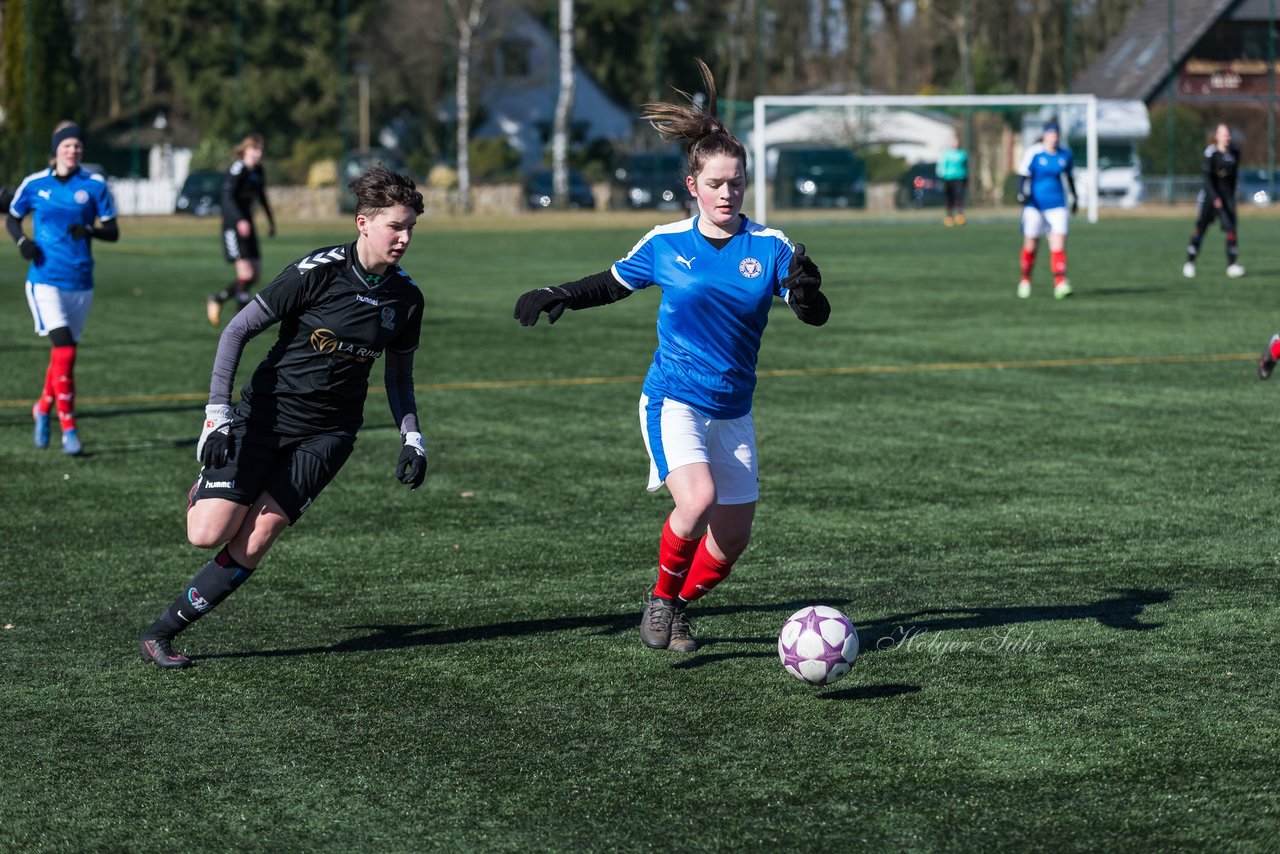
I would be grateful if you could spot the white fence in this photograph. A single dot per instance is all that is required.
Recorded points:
(143, 196)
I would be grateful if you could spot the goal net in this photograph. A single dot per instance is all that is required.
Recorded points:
(878, 151)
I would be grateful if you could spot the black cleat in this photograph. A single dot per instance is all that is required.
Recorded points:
(159, 652)
(681, 631)
(655, 625)
(1266, 364)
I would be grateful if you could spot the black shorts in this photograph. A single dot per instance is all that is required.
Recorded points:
(1207, 213)
(236, 248)
(293, 470)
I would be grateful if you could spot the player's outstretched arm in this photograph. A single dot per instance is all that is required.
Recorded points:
(803, 284)
(1071, 188)
(411, 468)
(596, 289)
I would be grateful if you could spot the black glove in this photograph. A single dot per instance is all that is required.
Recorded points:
(80, 231)
(411, 469)
(28, 248)
(1075, 205)
(551, 300)
(803, 277)
(1022, 198)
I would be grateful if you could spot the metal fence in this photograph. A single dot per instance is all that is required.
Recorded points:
(1178, 188)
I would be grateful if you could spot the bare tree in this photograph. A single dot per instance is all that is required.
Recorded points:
(468, 18)
(564, 109)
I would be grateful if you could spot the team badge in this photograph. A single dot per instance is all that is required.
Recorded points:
(750, 268)
(82, 197)
(324, 341)
(388, 317)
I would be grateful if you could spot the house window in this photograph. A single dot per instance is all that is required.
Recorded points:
(513, 58)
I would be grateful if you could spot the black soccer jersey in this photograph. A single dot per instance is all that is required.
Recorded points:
(335, 322)
(241, 187)
(1220, 170)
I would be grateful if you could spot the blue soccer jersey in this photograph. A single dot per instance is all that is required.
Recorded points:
(715, 305)
(58, 204)
(1046, 172)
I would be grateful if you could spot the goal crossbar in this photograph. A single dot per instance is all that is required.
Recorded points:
(1088, 102)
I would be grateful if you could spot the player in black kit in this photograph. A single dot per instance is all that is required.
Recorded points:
(1217, 199)
(243, 185)
(340, 309)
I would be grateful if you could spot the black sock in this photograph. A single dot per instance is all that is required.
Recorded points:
(225, 294)
(1233, 248)
(217, 580)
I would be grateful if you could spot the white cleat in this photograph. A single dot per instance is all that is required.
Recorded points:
(1189, 269)
(1062, 290)
(1024, 289)
(1235, 271)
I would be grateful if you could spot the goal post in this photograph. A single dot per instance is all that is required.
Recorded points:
(759, 143)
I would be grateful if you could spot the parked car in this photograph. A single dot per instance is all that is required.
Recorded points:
(653, 179)
(539, 195)
(356, 162)
(819, 177)
(1253, 186)
(920, 187)
(201, 194)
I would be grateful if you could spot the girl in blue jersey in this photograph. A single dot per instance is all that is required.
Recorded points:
(719, 274)
(67, 204)
(1044, 169)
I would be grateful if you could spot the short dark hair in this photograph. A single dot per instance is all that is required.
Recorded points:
(378, 188)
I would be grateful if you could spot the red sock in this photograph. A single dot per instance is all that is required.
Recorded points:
(62, 364)
(45, 402)
(675, 554)
(706, 572)
(1275, 350)
(1028, 261)
(1058, 263)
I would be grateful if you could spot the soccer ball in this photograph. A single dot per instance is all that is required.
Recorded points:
(818, 645)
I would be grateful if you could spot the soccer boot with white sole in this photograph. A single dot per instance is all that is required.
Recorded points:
(681, 631)
(655, 624)
(1267, 362)
(1024, 289)
(1235, 271)
(159, 651)
(40, 434)
(1189, 269)
(1062, 290)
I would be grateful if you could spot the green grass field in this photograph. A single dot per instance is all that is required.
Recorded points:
(1053, 523)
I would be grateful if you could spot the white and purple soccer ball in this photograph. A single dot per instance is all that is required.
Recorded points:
(818, 645)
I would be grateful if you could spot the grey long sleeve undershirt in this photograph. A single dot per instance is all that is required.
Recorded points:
(252, 319)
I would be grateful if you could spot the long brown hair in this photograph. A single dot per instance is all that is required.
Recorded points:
(706, 134)
(255, 140)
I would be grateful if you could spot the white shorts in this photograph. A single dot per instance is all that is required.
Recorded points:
(676, 434)
(53, 308)
(1036, 223)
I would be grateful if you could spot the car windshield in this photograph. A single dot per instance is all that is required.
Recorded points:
(203, 182)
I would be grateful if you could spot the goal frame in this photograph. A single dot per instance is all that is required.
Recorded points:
(761, 102)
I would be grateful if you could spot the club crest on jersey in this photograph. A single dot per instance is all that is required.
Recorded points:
(388, 317)
(750, 268)
(324, 341)
(82, 197)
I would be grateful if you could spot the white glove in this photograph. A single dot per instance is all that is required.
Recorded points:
(217, 419)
